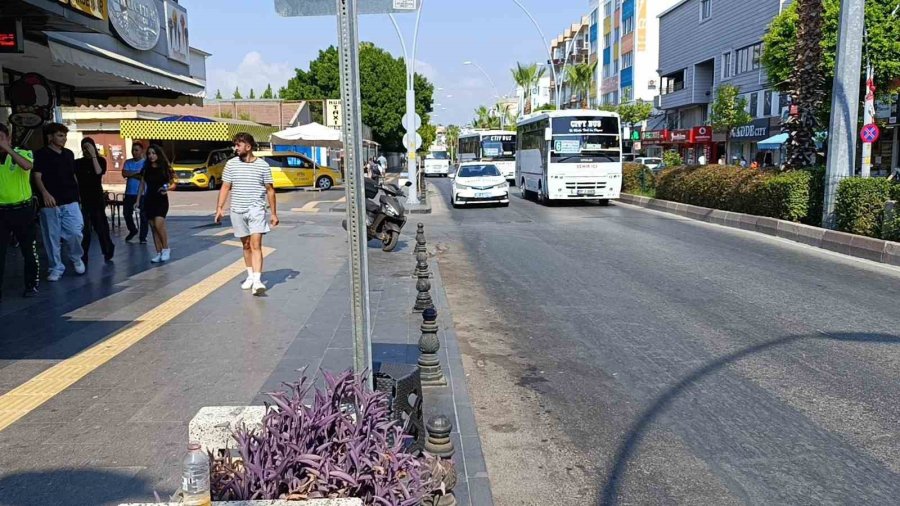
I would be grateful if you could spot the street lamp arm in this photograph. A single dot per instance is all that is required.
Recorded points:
(546, 45)
(400, 36)
(415, 48)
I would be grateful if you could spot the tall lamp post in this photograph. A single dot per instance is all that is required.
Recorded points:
(546, 45)
(412, 165)
(493, 85)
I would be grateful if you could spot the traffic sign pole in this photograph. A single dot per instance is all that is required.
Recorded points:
(868, 121)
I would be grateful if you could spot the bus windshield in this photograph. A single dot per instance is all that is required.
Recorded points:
(586, 140)
(498, 147)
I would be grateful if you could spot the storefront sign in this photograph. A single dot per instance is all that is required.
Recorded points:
(655, 136)
(701, 134)
(756, 131)
(136, 21)
(11, 40)
(93, 8)
(177, 32)
(32, 101)
(680, 136)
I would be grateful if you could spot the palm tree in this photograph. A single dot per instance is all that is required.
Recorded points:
(527, 77)
(807, 86)
(482, 117)
(581, 79)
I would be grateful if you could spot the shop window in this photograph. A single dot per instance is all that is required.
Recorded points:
(754, 105)
(767, 103)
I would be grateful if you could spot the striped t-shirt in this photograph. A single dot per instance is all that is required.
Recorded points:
(248, 183)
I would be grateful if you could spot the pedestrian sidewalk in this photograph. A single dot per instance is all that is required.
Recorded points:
(176, 337)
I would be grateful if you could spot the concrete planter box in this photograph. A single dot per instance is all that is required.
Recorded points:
(213, 426)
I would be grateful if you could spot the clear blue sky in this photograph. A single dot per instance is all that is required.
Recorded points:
(252, 46)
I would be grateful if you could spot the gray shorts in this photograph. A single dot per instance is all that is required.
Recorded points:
(254, 221)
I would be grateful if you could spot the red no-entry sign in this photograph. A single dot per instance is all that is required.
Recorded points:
(869, 133)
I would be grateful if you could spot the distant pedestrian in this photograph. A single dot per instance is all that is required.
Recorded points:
(89, 170)
(158, 179)
(248, 180)
(743, 162)
(132, 173)
(701, 160)
(17, 210)
(382, 161)
(61, 220)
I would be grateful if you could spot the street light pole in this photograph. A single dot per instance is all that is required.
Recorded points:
(546, 45)
(493, 85)
(844, 104)
(412, 166)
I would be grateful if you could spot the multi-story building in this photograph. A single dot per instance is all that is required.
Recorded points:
(703, 44)
(571, 48)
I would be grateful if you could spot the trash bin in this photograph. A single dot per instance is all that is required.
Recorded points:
(403, 387)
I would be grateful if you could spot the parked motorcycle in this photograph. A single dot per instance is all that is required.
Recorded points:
(385, 213)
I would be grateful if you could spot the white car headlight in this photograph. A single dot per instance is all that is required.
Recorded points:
(502, 186)
(462, 186)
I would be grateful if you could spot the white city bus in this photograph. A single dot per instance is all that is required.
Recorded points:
(570, 154)
(497, 147)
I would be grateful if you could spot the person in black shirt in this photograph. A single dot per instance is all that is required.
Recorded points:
(153, 199)
(89, 169)
(61, 221)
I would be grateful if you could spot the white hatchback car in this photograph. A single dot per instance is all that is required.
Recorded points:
(479, 183)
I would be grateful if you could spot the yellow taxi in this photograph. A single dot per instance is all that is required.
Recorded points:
(295, 170)
(201, 169)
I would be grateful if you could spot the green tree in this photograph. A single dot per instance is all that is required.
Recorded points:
(218, 95)
(527, 77)
(429, 134)
(634, 113)
(453, 140)
(779, 56)
(237, 94)
(482, 117)
(729, 111)
(581, 79)
(383, 90)
(252, 94)
(268, 93)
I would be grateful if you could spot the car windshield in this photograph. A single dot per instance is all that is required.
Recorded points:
(439, 155)
(478, 171)
(190, 161)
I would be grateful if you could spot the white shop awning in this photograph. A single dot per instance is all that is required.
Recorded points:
(68, 50)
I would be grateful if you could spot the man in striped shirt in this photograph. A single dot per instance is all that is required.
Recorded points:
(249, 181)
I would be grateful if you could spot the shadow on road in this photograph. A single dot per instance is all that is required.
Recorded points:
(632, 440)
(279, 277)
(72, 487)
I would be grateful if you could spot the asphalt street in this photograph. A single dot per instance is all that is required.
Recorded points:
(622, 356)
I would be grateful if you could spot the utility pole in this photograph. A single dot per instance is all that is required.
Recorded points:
(844, 104)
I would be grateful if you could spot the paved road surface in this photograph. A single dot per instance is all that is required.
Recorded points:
(623, 356)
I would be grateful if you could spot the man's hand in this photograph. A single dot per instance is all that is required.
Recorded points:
(49, 201)
(273, 220)
(219, 215)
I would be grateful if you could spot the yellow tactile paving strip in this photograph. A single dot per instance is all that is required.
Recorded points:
(30, 395)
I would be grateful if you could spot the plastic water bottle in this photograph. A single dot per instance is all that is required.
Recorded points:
(195, 477)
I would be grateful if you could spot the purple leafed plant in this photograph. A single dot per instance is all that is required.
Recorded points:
(344, 445)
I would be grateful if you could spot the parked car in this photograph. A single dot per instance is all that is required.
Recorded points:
(295, 170)
(201, 169)
(479, 183)
(651, 163)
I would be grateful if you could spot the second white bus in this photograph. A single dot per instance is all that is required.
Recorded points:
(570, 154)
(497, 147)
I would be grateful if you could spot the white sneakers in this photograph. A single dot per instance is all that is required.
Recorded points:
(162, 256)
(258, 288)
(253, 283)
(54, 277)
(79, 267)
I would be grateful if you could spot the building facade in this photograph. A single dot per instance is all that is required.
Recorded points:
(569, 49)
(91, 54)
(702, 45)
